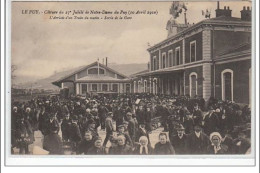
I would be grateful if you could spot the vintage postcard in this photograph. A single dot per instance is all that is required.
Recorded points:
(100, 80)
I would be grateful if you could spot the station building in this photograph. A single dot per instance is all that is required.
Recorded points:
(209, 58)
(95, 78)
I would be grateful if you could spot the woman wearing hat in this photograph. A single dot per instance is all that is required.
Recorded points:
(216, 146)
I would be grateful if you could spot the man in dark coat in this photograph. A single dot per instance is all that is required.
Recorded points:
(242, 144)
(53, 143)
(210, 122)
(142, 132)
(197, 142)
(197, 114)
(43, 118)
(179, 141)
(131, 126)
(92, 128)
(52, 125)
(148, 119)
(65, 127)
(163, 147)
(164, 114)
(189, 123)
(86, 143)
(109, 127)
(75, 135)
(23, 135)
(97, 149)
(118, 116)
(102, 112)
(140, 115)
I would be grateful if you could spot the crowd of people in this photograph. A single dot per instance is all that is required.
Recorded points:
(189, 126)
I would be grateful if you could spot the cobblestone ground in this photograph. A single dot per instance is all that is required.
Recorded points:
(38, 139)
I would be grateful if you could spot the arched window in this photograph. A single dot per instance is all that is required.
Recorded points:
(193, 84)
(227, 84)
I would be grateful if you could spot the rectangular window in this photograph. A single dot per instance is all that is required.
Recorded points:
(170, 58)
(84, 88)
(104, 87)
(94, 87)
(177, 56)
(163, 60)
(193, 51)
(115, 87)
(154, 63)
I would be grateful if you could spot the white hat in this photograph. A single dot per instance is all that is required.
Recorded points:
(215, 134)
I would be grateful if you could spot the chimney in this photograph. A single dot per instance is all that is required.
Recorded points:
(106, 61)
(223, 12)
(246, 14)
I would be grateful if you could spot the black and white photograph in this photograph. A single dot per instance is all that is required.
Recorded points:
(156, 79)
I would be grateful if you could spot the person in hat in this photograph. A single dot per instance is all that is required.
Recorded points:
(148, 119)
(43, 119)
(197, 114)
(211, 122)
(228, 141)
(52, 125)
(53, 142)
(65, 127)
(112, 148)
(242, 143)
(102, 112)
(163, 147)
(142, 132)
(143, 148)
(121, 131)
(131, 126)
(140, 115)
(97, 149)
(216, 146)
(109, 127)
(118, 116)
(179, 141)
(86, 143)
(75, 135)
(91, 126)
(125, 123)
(165, 114)
(23, 135)
(189, 123)
(197, 141)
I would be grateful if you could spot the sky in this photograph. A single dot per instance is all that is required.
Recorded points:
(40, 46)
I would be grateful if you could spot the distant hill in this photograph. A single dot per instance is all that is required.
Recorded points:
(46, 83)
